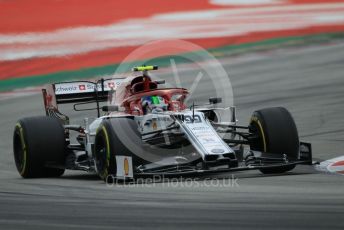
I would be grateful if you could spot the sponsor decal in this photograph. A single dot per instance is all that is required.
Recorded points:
(65, 89)
(111, 85)
(155, 125)
(217, 151)
(164, 119)
(85, 87)
(205, 134)
(194, 119)
(200, 130)
(208, 140)
(126, 166)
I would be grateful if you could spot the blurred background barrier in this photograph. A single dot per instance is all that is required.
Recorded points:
(44, 41)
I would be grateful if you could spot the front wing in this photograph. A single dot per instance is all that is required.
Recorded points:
(254, 161)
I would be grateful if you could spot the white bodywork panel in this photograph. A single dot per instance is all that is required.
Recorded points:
(202, 132)
(153, 122)
(196, 127)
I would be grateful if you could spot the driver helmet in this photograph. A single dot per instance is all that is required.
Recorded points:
(153, 104)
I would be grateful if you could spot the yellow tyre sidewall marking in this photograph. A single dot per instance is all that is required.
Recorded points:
(107, 163)
(20, 128)
(256, 120)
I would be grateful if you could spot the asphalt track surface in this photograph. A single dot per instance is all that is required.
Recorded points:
(309, 81)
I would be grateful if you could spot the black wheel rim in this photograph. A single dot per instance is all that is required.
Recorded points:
(256, 142)
(19, 153)
(100, 155)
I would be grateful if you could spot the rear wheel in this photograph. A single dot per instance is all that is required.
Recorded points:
(276, 132)
(38, 141)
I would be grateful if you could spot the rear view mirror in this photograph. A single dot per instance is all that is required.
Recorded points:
(110, 108)
(215, 100)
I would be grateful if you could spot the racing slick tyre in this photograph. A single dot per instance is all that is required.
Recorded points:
(276, 133)
(36, 142)
(109, 143)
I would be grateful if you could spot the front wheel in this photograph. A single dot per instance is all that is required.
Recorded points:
(113, 138)
(275, 132)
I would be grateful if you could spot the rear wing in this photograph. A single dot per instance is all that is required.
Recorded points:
(78, 92)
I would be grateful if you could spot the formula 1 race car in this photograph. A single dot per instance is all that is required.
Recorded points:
(148, 130)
